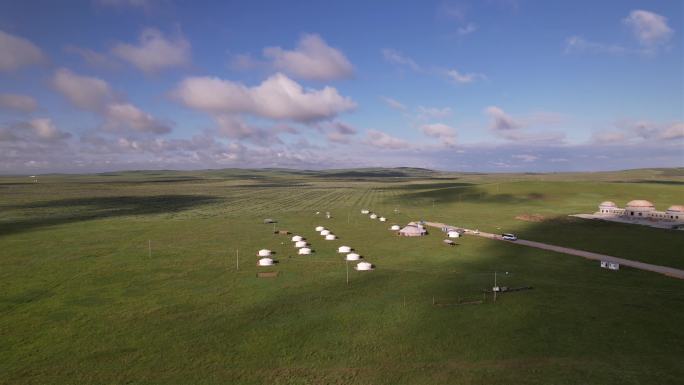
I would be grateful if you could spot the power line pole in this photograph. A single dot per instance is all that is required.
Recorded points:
(237, 259)
(494, 286)
(347, 263)
(149, 248)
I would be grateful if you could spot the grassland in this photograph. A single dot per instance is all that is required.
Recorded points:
(81, 301)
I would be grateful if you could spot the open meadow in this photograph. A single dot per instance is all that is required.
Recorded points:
(82, 299)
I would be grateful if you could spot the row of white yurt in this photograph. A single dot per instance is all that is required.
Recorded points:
(304, 251)
(330, 237)
(300, 244)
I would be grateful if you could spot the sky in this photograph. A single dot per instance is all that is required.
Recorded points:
(473, 86)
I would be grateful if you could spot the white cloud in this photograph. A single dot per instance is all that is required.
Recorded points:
(17, 52)
(17, 102)
(462, 78)
(85, 92)
(577, 44)
(396, 57)
(155, 52)
(513, 128)
(127, 116)
(674, 131)
(434, 112)
(277, 97)
(393, 103)
(500, 120)
(39, 129)
(441, 131)
(46, 130)
(649, 28)
(340, 132)
(313, 59)
(381, 139)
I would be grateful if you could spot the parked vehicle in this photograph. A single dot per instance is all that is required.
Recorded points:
(509, 237)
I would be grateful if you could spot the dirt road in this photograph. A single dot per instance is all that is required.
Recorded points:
(669, 271)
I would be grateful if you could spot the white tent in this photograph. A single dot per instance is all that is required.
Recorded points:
(383, 219)
(330, 237)
(304, 251)
(325, 232)
(395, 227)
(299, 244)
(343, 249)
(365, 211)
(411, 230)
(265, 262)
(373, 216)
(264, 253)
(320, 228)
(297, 238)
(363, 266)
(353, 257)
(453, 234)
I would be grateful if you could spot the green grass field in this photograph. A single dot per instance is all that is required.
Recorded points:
(81, 301)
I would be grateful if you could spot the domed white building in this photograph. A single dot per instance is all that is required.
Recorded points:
(640, 209)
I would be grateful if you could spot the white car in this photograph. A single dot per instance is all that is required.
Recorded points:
(509, 237)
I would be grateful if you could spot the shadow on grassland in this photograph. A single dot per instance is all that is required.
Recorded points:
(469, 193)
(64, 211)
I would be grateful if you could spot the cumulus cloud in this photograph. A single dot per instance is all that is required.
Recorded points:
(17, 52)
(383, 140)
(396, 57)
(278, 98)
(441, 131)
(501, 121)
(393, 103)
(340, 132)
(639, 132)
(649, 28)
(464, 78)
(38, 129)
(15, 102)
(514, 128)
(674, 131)
(313, 59)
(95, 95)
(154, 52)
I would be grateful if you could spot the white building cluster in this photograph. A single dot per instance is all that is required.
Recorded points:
(642, 209)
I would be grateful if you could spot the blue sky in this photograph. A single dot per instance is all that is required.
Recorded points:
(494, 85)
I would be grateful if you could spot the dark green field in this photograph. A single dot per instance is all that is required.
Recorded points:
(81, 301)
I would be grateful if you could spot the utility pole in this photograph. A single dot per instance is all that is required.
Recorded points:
(237, 259)
(494, 286)
(347, 263)
(149, 248)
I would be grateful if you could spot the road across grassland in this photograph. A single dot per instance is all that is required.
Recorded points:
(669, 271)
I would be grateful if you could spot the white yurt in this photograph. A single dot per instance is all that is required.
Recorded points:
(383, 219)
(364, 211)
(362, 266)
(330, 237)
(373, 216)
(297, 238)
(395, 227)
(299, 244)
(343, 249)
(304, 251)
(265, 262)
(320, 228)
(264, 253)
(453, 234)
(325, 232)
(352, 257)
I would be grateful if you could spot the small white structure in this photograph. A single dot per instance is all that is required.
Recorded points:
(453, 234)
(343, 249)
(265, 262)
(352, 257)
(373, 216)
(610, 265)
(325, 232)
(297, 238)
(299, 244)
(320, 228)
(395, 228)
(413, 230)
(365, 211)
(383, 219)
(264, 253)
(364, 266)
(304, 251)
(330, 237)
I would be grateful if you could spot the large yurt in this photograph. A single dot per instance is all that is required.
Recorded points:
(395, 228)
(330, 237)
(373, 216)
(352, 257)
(453, 234)
(383, 219)
(364, 266)
(266, 262)
(264, 253)
(325, 232)
(299, 244)
(344, 249)
(304, 251)
(320, 228)
(412, 231)
(297, 238)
